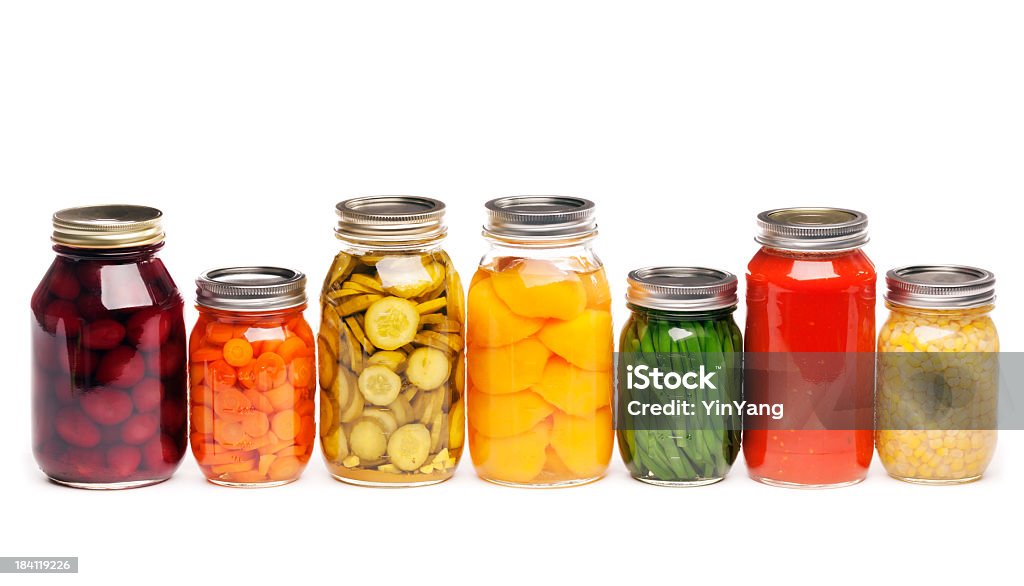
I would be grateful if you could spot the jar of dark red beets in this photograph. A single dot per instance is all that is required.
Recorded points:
(108, 340)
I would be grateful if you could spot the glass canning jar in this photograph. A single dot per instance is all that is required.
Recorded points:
(681, 322)
(937, 395)
(809, 342)
(252, 373)
(540, 346)
(108, 362)
(392, 367)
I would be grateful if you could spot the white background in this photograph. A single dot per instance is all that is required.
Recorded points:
(246, 121)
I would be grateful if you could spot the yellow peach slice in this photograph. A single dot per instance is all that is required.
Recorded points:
(574, 390)
(491, 322)
(583, 444)
(538, 288)
(507, 369)
(556, 467)
(519, 458)
(507, 415)
(585, 341)
(598, 294)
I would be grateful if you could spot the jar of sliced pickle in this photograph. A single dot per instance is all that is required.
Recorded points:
(937, 395)
(391, 361)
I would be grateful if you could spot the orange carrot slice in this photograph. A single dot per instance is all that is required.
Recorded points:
(220, 375)
(256, 424)
(285, 468)
(286, 424)
(219, 333)
(290, 348)
(246, 477)
(206, 354)
(231, 402)
(259, 401)
(302, 372)
(282, 397)
(237, 352)
(265, 461)
(270, 371)
(235, 467)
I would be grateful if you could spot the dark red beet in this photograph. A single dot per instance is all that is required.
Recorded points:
(89, 274)
(172, 415)
(63, 389)
(91, 307)
(148, 328)
(124, 460)
(147, 394)
(161, 453)
(78, 464)
(76, 429)
(63, 283)
(122, 367)
(81, 363)
(63, 315)
(103, 334)
(107, 406)
(166, 362)
(139, 428)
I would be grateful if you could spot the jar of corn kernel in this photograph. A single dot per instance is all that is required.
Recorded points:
(936, 399)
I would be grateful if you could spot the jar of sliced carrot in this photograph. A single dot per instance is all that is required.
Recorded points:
(392, 372)
(540, 346)
(252, 371)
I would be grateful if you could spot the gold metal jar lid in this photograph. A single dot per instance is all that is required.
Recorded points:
(108, 226)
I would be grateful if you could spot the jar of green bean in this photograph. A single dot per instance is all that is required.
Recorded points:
(680, 360)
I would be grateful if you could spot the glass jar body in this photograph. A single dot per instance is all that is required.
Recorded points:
(814, 313)
(937, 369)
(253, 378)
(109, 379)
(682, 449)
(392, 366)
(540, 366)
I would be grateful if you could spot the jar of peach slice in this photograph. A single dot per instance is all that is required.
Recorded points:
(539, 335)
(936, 400)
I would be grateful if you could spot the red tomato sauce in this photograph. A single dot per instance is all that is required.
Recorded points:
(819, 303)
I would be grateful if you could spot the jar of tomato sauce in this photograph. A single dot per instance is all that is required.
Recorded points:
(108, 340)
(540, 346)
(809, 340)
(252, 371)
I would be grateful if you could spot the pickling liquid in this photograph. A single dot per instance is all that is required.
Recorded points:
(802, 307)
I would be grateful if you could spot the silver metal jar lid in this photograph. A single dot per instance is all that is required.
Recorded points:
(249, 289)
(540, 217)
(812, 229)
(940, 287)
(108, 226)
(390, 219)
(681, 288)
